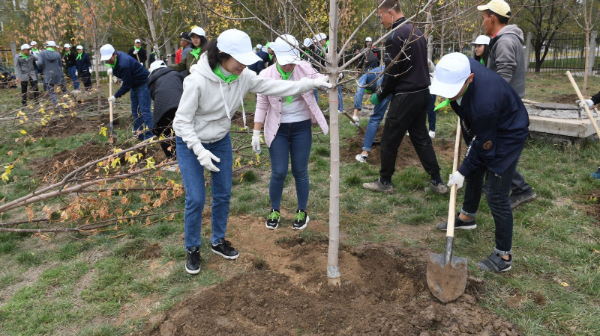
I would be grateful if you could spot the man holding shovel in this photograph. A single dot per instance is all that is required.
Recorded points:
(135, 78)
(495, 125)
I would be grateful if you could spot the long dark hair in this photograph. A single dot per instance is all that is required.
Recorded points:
(214, 56)
(484, 56)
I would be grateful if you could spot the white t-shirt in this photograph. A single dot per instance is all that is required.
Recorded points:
(295, 112)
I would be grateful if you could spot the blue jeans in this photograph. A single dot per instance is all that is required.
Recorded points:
(316, 92)
(195, 193)
(292, 140)
(365, 79)
(142, 114)
(497, 192)
(340, 98)
(72, 71)
(49, 87)
(431, 115)
(374, 122)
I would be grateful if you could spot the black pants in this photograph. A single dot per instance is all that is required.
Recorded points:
(34, 88)
(164, 127)
(519, 185)
(407, 112)
(86, 78)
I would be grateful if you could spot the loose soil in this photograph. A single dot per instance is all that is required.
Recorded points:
(66, 161)
(69, 126)
(238, 120)
(282, 290)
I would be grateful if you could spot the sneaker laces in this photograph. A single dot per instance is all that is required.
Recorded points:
(300, 216)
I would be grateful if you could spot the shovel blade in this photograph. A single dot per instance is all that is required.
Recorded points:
(446, 281)
(112, 135)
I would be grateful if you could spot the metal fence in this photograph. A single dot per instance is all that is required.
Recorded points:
(565, 52)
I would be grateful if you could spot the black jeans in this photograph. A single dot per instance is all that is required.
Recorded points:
(497, 192)
(519, 185)
(86, 78)
(164, 127)
(407, 112)
(34, 88)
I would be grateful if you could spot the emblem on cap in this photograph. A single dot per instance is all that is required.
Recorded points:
(487, 145)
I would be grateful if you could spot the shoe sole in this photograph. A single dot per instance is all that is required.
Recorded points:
(379, 190)
(303, 226)
(493, 270)
(527, 200)
(271, 227)
(224, 256)
(469, 227)
(191, 271)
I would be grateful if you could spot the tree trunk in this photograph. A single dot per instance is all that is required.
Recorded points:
(96, 70)
(587, 59)
(333, 273)
(149, 6)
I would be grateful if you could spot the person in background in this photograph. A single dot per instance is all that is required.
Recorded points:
(481, 49)
(36, 52)
(431, 114)
(84, 67)
(135, 78)
(138, 52)
(69, 62)
(321, 49)
(590, 104)
(264, 59)
(166, 88)
(186, 44)
(25, 73)
(153, 57)
(369, 60)
(50, 62)
(271, 55)
(212, 93)
(198, 38)
(287, 123)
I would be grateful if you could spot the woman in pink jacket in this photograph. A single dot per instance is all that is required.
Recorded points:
(287, 122)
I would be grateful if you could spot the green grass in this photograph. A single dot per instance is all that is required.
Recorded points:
(71, 284)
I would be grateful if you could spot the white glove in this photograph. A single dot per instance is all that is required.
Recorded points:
(588, 102)
(322, 82)
(341, 75)
(76, 74)
(256, 141)
(142, 63)
(109, 71)
(206, 159)
(112, 99)
(135, 52)
(456, 178)
(91, 70)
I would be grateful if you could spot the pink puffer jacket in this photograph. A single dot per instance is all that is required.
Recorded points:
(268, 108)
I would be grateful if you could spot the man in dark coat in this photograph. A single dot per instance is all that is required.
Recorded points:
(84, 67)
(50, 62)
(166, 88)
(71, 66)
(495, 125)
(260, 65)
(138, 52)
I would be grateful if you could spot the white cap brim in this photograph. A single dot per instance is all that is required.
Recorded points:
(288, 59)
(445, 90)
(105, 57)
(247, 58)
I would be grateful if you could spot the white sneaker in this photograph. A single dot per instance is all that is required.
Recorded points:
(75, 91)
(432, 134)
(361, 158)
(340, 112)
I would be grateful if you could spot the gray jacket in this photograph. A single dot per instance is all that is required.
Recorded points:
(25, 68)
(507, 57)
(51, 62)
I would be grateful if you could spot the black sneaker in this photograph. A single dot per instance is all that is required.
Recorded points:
(225, 250)
(459, 224)
(273, 220)
(495, 263)
(439, 188)
(301, 220)
(522, 198)
(377, 185)
(192, 265)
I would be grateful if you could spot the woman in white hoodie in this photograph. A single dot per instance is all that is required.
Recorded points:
(212, 94)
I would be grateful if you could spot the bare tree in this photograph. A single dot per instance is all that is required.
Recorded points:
(587, 19)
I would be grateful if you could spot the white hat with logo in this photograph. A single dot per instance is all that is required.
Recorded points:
(481, 39)
(237, 44)
(106, 52)
(198, 31)
(451, 73)
(156, 65)
(286, 50)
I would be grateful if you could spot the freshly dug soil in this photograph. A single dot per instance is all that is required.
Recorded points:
(383, 292)
(69, 126)
(66, 161)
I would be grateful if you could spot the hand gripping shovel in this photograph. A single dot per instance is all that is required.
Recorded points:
(112, 135)
(446, 274)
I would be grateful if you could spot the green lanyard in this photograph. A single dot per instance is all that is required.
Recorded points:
(196, 52)
(79, 57)
(136, 48)
(67, 53)
(270, 56)
(447, 101)
(481, 61)
(112, 65)
(286, 76)
(326, 47)
(24, 56)
(226, 79)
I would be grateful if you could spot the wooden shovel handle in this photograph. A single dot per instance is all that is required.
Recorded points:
(587, 110)
(454, 188)
(110, 104)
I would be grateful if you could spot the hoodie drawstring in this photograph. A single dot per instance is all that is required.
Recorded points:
(227, 109)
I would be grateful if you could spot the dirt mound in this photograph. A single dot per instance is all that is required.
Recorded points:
(238, 120)
(384, 292)
(66, 161)
(68, 126)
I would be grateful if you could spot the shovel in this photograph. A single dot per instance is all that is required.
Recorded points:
(446, 274)
(580, 96)
(112, 135)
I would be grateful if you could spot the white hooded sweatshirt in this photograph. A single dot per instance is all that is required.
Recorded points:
(208, 103)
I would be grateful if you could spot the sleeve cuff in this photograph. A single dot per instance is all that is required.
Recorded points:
(464, 170)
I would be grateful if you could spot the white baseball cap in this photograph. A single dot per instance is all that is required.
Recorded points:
(450, 75)
(319, 37)
(481, 39)
(33, 43)
(25, 47)
(79, 47)
(259, 46)
(67, 45)
(499, 7)
(307, 42)
(106, 52)
(369, 39)
(237, 44)
(286, 50)
(50, 44)
(156, 65)
(198, 31)
(138, 41)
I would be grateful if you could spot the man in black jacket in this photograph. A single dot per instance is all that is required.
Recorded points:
(407, 79)
(138, 52)
(71, 66)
